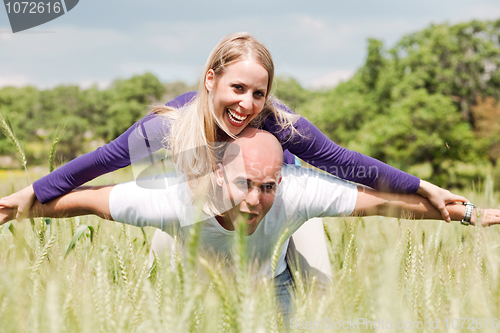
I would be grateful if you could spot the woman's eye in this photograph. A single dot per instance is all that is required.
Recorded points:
(237, 87)
(259, 94)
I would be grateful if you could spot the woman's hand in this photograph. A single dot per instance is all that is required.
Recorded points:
(439, 197)
(17, 204)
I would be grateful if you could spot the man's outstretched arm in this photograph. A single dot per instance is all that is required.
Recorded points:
(91, 200)
(370, 202)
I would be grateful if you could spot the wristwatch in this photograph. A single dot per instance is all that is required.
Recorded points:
(469, 208)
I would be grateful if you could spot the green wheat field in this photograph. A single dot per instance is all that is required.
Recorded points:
(85, 274)
(89, 275)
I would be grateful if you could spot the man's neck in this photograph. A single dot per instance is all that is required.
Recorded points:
(225, 222)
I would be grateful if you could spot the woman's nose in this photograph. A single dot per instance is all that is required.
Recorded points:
(246, 101)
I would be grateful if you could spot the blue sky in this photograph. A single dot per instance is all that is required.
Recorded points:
(316, 42)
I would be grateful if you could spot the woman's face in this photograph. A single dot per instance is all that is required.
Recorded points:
(239, 94)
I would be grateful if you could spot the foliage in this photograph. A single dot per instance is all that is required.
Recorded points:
(429, 99)
(426, 128)
(486, 114)
(291, 92)
(86, 115)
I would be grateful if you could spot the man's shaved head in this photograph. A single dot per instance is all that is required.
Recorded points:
(254, 144)
(249, 176)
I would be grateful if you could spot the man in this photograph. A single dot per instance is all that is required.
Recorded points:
(251, 185)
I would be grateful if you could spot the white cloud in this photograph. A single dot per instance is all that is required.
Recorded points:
(86, 84)
(332, 79)
(6, 35)
(14, 81)
(477, 11)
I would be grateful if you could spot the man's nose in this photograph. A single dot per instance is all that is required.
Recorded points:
(253, 196)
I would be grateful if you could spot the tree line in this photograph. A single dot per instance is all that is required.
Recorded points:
(429, 105)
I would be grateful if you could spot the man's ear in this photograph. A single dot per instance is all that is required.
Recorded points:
(219, 174)
(279, 179)
(210, 79)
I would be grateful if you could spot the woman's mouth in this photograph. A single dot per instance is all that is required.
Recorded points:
(236, 119)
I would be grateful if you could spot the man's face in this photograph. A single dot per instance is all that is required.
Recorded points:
(249, 185)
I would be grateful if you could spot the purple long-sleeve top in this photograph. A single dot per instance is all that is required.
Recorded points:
(312, 146)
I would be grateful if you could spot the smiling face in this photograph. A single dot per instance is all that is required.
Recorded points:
(239, 93)
(249, 182)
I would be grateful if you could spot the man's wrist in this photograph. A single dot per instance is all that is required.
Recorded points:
(468, 215)
(456, 210)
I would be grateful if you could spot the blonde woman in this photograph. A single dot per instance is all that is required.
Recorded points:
(234, 92)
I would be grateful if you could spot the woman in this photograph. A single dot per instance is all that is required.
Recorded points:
(234, 92)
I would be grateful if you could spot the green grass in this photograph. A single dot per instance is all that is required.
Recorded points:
(384, 269)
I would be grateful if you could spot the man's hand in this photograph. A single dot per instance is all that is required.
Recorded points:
(371, 202)
(7, 214)
(486, 216)
(20, 202)
(92, 200)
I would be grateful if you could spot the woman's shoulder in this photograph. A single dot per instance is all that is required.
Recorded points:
(182, 100)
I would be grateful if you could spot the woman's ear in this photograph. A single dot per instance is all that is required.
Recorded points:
(209, 79)
(219, 175)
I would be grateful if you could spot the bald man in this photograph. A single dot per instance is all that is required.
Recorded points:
(251, 185)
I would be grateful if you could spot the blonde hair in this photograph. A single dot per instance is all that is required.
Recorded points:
(194, 134)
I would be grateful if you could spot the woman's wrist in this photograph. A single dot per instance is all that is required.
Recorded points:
(425, 188)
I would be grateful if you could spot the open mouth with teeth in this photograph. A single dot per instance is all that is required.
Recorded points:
(235, 119)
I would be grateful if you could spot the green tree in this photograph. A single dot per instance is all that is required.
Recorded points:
(419, 128)
(460, 61)
(415, 103)
(290, 92)
(487, 126)
(129, 101)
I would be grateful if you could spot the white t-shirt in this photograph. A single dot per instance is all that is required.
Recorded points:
(302, 195)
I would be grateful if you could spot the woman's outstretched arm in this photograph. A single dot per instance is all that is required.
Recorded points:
(317, 149)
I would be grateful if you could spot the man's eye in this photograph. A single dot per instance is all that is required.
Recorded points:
(242, 184)
(268, 188)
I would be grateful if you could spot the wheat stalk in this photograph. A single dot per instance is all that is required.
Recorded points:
(277, 250)
(15, 143)
(44, 253)
(52, 152)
